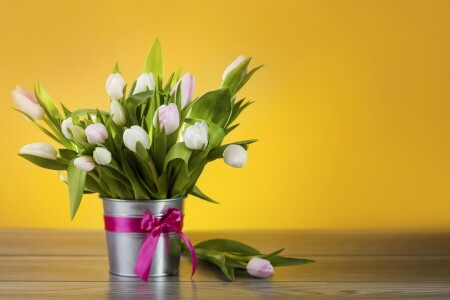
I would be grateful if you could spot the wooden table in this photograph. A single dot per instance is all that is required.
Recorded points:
(65, 264)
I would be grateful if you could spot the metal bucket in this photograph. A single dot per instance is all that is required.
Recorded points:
(123, 248)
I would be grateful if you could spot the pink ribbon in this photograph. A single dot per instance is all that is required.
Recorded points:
(170, 221)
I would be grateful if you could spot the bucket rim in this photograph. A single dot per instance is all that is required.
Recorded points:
(141, 200)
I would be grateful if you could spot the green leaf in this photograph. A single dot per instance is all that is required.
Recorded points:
(272, 255)
(67, 112)
(154, 62)
(114, 184)
(116, 68)
(46, 101)
(238, 107)
(228, 270)
(231, 128)
(84, 112)
(68, 154)
(168, 85)
(214, 106)
(52, 164)
(159, 148)
(150, 178)
(216, 258)
(133, 102)
(141, 152)
(181, 182)
(109, 171)
(246, 78)
(93, 185)
(225, 245)
(139, 191)
(177, 151)
(281, 261)
(76, 181)
(199, 194)
(216, 136)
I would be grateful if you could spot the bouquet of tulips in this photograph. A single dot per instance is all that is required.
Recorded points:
(153, 143)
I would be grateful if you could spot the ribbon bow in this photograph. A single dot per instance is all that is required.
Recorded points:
(171, 221)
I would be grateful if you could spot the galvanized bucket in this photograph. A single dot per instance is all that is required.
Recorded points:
(123, 248)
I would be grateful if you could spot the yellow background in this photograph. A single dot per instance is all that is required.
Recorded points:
(352, 107)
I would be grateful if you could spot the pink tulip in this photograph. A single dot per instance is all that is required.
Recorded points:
(85, 163)
(187, 89)
(96, 133)
(27, 103)
(259, 267)
(169, 118)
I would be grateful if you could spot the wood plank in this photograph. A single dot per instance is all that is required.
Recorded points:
(304, 242)
(331, 269)
(224, 290)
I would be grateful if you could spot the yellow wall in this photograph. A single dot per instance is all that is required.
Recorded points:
(352, 108)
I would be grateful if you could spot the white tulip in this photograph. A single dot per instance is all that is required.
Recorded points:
(259, 267)
(233, 65)
(195, 137)
(235, 156)
(85, 163)
(96, 133)
(26, 102)
(115, 85)
(39, 149)
(118, 113)
(136, 134)
(144, 82)
(67, 123)
(102, 156)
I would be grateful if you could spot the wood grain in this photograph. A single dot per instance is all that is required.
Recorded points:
(306, 242)
(72, 264)
(223, 290)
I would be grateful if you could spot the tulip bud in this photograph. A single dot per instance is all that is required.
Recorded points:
(67, 123)
(146, 80)
(187, 89)
(195, 137)
(78, 132)
(96, 133)
(169, 118)
(115, 85)
(136, 134)
(26, 102)
(39, 149)
(118, 113)
(235, 156)
(259, 267)
(102, 156)
(233, 65)
(85, 163)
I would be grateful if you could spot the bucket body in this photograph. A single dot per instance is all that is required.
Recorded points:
(123, 247)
